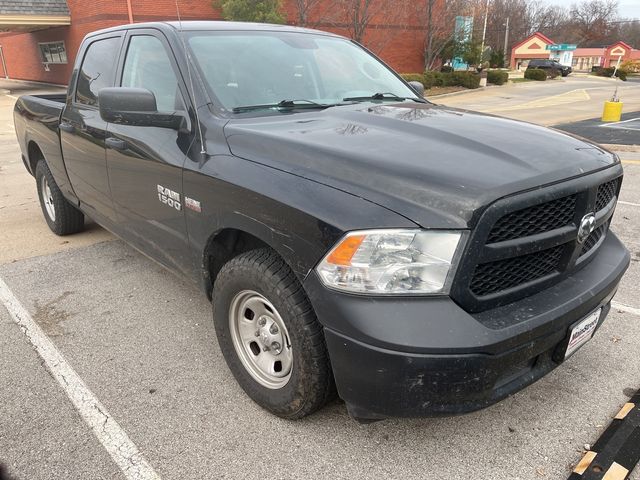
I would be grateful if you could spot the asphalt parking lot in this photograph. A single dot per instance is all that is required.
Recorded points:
(142, 343)
(624, 132)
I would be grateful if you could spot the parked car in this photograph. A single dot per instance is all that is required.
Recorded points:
(353, 237)
(550, 65)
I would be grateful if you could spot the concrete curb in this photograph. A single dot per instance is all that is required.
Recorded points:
(31, 83)
(461, 92)
(621, 148)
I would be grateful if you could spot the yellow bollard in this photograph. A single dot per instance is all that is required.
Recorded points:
(612, 111)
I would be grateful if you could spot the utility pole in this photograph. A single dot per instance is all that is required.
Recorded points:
(506, 42)
(484, 29)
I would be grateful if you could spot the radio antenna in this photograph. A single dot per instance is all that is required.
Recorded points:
(203, 150)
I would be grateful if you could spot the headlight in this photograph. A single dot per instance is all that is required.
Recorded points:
(391, 262)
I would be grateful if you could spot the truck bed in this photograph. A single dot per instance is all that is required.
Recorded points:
(36, 119)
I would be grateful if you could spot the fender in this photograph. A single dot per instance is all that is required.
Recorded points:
(298, 218)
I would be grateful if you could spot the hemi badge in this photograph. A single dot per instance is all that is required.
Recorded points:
(192, 204)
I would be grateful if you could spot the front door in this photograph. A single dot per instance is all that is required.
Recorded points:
(83, 132)
(145, 163)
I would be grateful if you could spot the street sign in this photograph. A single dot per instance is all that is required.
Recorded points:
(561, 46)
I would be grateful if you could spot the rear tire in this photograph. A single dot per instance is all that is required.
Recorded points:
(270, 336)
(62, 217)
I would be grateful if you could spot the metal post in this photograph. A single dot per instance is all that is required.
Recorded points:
(484, 30)
(615, 70)
(130, 11)
(4, 64)
(507, 61)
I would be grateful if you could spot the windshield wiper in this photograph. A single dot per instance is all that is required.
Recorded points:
(285, 104)
(381, 96)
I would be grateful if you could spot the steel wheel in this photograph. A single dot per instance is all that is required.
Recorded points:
(47, 197)
(260, 339)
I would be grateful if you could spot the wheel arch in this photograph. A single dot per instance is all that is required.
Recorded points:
(229, 242)
(34, 155)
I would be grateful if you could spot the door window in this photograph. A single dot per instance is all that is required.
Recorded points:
(147, 65)
(97, 70)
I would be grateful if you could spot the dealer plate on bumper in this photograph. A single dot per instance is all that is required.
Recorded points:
(581, 332)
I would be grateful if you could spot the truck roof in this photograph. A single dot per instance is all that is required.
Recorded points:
(209, 25)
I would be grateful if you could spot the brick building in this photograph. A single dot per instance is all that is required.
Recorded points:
(39, 38)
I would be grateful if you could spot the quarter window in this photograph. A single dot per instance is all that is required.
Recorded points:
(97, 70)
(148, 66)
(53, 52)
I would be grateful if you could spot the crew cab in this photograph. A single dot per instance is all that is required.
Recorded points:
(353, 237)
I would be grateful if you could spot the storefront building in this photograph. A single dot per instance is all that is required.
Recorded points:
(539, 46)
(531, 48)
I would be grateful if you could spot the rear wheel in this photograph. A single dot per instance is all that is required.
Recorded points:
(270, 336)
(62, 217)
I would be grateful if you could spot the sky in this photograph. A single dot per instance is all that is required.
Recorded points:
(626, 8)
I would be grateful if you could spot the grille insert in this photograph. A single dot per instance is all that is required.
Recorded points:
(503, 274)
(533, 220)
(593, 239)
(606, 192)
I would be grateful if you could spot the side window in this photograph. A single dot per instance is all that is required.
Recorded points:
(147, 65)
(97, 70)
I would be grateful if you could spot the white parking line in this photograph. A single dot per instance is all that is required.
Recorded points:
(619, 125)
(621, 121)
(115, 441)
(625, 308)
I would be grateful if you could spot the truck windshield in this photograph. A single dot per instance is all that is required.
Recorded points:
(248, 71)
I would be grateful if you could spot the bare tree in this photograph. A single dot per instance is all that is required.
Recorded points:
(629, 31)
(591, 20)
(439, 18)
(356, 15)
(303, 9)
(525, 18)
(361, 18)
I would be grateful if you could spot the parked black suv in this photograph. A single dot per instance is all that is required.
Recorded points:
(550, 65)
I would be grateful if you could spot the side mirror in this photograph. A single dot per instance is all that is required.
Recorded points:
(135, 107)
(418, 88)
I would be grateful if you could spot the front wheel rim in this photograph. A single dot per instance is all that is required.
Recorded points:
(47, 198)
(260, 339)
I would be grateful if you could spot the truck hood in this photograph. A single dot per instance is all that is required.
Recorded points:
(436, 166)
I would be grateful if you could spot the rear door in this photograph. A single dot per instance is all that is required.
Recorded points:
(83, 132)
(145, 163)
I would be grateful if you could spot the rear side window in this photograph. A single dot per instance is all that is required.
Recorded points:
(97, 70)
(147, 65)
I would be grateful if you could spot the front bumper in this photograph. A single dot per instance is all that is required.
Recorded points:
(424, 356)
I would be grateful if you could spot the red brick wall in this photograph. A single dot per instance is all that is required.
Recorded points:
(21, 50)
(396, 34)
(400, 44)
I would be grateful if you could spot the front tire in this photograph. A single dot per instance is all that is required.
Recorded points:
(62, 217)
(269, 335)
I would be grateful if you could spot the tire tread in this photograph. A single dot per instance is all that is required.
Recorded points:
(69, 219)
(267, 264)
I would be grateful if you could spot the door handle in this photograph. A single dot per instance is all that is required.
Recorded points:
(116, 143)
(67, 127)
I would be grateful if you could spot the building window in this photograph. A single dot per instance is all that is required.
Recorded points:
(53, 52)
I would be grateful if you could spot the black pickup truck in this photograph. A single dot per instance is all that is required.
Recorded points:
(353, 237)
